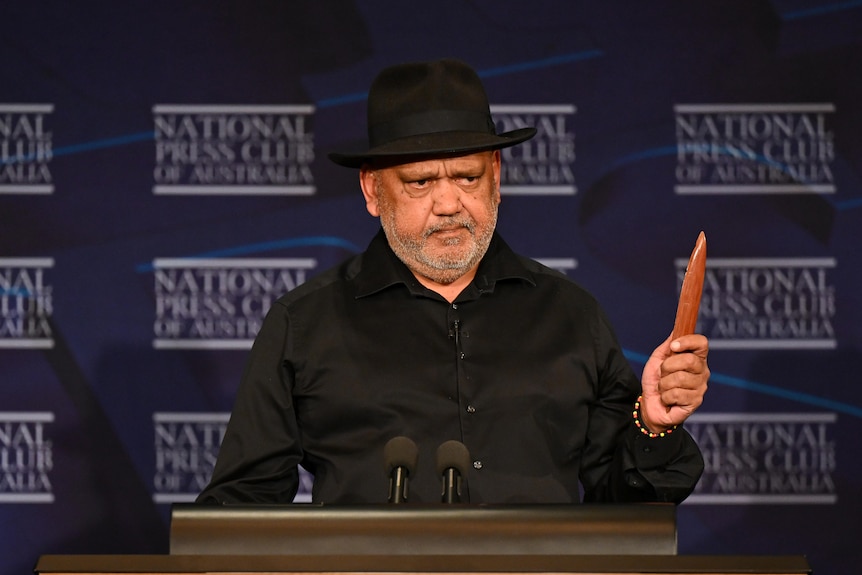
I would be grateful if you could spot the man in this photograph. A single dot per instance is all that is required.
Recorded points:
(438, 332)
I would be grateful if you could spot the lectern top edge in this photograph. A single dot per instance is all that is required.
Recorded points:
(463, 529)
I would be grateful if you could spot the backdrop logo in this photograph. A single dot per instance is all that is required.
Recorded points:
(240, 150)
(767, 303)
(26, 149)
(26, 458)
(562, 265)
(754, 148)
(26, 303)
(219, 303)
(765, 457)
(186, 447)
(542, 165)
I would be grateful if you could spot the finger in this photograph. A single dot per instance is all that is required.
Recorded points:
(689, 399)
(689, 363)
(694, 343)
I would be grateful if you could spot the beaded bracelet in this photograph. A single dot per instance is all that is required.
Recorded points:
(636, 415)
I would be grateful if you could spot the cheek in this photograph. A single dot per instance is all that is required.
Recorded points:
(409, 217)
(412, 221)
(482, 209)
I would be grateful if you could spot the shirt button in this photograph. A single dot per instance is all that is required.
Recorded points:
(471, 409)
(454, 306)
(477, 464)
(463, 355)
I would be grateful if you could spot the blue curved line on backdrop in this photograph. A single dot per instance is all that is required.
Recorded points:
(818, 10)
(87, 146)
(765, 389)
(487, 73)
(537, 64)
(107, 143)
(324, 103)
(849, 204)
(310, 241)
(673, 150)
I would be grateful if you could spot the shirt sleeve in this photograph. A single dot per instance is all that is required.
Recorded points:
(621, 464)
(260, 452)
(660, 468)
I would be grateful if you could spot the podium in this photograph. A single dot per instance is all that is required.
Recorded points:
(405, 539)
(487, 530)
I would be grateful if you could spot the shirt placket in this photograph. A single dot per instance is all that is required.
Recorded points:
(468, 411)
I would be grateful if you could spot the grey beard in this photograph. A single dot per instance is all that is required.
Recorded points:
(443, 270)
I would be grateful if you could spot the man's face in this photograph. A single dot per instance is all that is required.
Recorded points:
(438, 214)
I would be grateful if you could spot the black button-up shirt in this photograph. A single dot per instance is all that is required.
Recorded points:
(522, 368)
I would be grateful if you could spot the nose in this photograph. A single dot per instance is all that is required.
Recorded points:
(446, 197)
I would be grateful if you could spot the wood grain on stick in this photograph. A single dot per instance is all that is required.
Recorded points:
(692, 287)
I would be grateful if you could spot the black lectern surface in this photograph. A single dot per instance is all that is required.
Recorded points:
(526, 530)
(420, 565)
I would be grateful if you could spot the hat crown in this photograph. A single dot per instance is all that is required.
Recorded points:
(425, 109)
(424, 98)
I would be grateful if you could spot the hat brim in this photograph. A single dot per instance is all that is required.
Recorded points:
(435, 144)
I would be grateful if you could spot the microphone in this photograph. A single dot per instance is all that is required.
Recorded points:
(399, 455)
(453, 459)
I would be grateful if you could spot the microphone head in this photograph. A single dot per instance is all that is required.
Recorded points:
(453, 454)
(400, 452)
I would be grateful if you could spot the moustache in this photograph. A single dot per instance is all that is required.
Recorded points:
(448, 226)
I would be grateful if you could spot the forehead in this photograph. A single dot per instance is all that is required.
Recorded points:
(441, 164)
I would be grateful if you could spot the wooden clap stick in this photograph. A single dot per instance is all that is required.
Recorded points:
(692, 287)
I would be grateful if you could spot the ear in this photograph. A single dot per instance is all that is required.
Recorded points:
(368, 183)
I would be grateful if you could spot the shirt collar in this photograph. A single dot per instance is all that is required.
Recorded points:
(380, 269)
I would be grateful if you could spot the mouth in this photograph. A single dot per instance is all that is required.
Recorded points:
(448, 230)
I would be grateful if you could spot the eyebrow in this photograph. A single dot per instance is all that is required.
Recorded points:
(469, 167)
(417, 173)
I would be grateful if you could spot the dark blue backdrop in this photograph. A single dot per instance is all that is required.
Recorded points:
(163, 177)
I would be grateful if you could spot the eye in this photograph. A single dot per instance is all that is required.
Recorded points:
(467, 181)
(418, 188)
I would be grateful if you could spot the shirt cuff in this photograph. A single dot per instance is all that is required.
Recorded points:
(655, 452)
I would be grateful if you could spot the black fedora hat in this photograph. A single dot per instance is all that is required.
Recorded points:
(427, 109)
